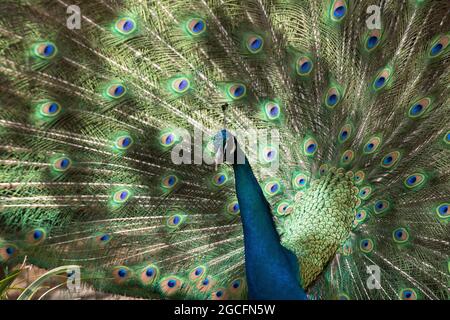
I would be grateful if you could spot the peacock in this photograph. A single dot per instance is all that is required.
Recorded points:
(123, 147)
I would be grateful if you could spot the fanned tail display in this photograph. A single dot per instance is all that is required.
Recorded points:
(94, 119)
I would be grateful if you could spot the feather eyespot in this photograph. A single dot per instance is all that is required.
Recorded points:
(123, 142)
(284, 208)
(372, 39)
(126, 26)
(323, 169)
(366, 245)
(121, 274)
(372, 145)
(361, 216)
(167, 139)
(400, 235)
(196, 26)
(45, 50)
(347, 157)
(254, 44)
(345, 133)
(171, 285)
(36, 236)
(181, 85)
(169, 182)
(103, 238)
(359, 177)
(198, 273)
(7, 251)
(381, 206)
(268, 154)
(408, 294)
(439, 46)
(443, 211)
(304, 66)
(205, 284)
(310, 146)
(236, 286)
(220, 179)
(382, 79)
(233, 208)
(272, 110)
(390, 160)
(174, 221)
(116, 91)
(272, 188)
(446, 138)
(219, 294)
(414, 181)
(332, 98)
(121, 196)
(338, 10)
(149, 274)
(419, 108)
(62, 164)
(300, 180)
(237, 91)
(49, 109)
(365, 192)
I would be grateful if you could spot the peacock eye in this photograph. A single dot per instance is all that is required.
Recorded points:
(116, 91)
(181, 85)
(196, 26)
(36, 236)
(400, 235)
(299, 180)
(254, 44)
(345, 133)
(381, 206)
(332, 98)
(365, 192)
(366, 245)
(220, 179)
(167, 139)
(121, 274)
(123, 142)
(382, 79)
(62, 164)
(169, 182)
(443, 211)
(197, 273)
(310, 147)
(45, 50)
(438, 46)
(49, 109)
(414, 181)
(347, 157)
(304, 66)
(121, 196)
(170, 285)
(272, 110)
(125, 26)
(338, 10)
(419, 108)
(149, 274)
(272, 188)
(372, 145)
(237, 91)
(7, 251)
(408, 294)
(233, 208)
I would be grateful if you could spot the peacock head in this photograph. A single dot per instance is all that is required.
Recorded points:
(321, 220)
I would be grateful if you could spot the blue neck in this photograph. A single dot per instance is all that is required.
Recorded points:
(272, 270)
